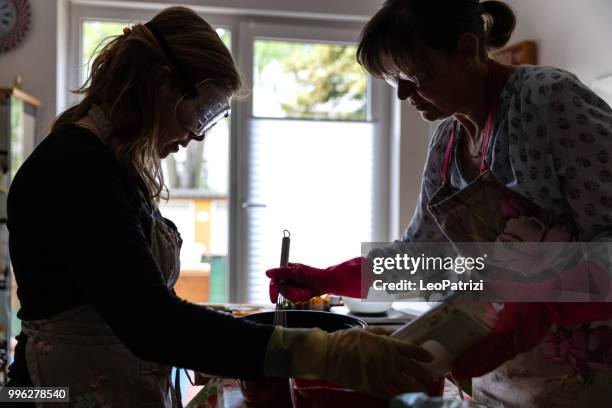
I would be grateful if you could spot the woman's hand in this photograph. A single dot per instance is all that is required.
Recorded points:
(302, 282)
(353, 358)
(375, 363)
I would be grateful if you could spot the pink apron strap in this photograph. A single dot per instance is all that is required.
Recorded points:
(444, 167)
(495, 84)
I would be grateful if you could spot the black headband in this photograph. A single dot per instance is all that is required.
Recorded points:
(190, 87)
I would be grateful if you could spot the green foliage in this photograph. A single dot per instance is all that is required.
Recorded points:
(95, 35)
(224, 35)
(331, 83)
(267, 52)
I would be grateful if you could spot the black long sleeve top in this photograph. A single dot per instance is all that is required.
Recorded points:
(78, 235)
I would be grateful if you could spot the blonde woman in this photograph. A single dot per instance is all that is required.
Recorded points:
(95, 262)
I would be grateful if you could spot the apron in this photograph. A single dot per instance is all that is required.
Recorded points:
(473, 214)
(77, 349)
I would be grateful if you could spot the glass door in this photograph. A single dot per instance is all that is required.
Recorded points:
(311, 150)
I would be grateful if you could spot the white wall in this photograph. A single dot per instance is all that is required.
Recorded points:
(35, 60)
(575, 35)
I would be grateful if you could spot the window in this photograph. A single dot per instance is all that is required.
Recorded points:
(199, 176)
(95, 35)
(312, 152)
(308, 81)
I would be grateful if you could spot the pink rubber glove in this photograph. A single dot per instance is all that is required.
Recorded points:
(303, 282)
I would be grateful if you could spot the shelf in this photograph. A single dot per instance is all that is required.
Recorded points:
(6, 93)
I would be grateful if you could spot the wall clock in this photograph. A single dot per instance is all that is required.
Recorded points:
(15, 17)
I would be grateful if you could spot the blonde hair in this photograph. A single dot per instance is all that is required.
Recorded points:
(124, 78)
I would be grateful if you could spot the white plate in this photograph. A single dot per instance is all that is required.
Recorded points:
(365, 307)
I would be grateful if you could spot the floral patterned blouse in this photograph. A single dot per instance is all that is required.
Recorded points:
(551, 143)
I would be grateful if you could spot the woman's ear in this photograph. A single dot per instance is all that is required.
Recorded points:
(468, 49)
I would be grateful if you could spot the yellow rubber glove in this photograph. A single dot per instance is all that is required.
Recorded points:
(353, 358)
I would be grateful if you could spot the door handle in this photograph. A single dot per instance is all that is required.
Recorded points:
(247, 204)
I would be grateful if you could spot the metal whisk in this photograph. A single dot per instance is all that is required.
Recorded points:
(280, 315)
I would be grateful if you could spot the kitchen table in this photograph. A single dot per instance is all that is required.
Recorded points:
(395, 318)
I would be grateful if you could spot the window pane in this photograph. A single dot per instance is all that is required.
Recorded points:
(203, 166)
(224, 35)
(326, 205)
(308, 81)
(197, 178)
(95, 35)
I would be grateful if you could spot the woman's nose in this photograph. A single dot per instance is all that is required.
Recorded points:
(405, 89)
(195, 137)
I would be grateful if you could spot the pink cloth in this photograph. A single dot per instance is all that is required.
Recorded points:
(522, 326)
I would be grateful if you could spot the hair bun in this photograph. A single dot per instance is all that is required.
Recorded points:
(501, 24)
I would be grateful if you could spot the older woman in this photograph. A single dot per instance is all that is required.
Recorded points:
(95, 261)
(534, 135)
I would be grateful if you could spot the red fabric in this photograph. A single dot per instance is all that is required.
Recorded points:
(585, 282)
(522, 326)
(303, 282)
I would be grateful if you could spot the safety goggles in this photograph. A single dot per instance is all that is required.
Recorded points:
(201, 106)
(394, 79)
(198, 114)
